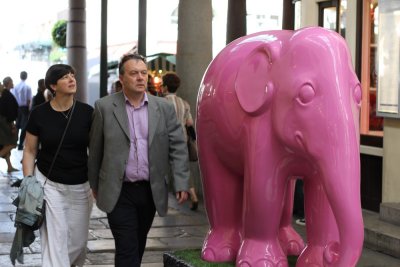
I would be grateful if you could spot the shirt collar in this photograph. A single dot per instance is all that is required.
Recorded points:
(144, 101)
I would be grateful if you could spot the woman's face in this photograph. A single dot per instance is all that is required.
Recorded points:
(65, 85)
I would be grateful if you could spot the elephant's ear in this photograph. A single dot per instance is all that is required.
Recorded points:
(253, 85)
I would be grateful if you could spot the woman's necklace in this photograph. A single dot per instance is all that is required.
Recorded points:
(65, 113)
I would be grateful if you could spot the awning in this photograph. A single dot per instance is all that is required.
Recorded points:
(161, 61)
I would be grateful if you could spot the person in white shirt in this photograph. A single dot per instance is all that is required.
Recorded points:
(23, 94)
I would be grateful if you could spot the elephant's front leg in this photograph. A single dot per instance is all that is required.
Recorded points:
(223, 193)
(264, 193)
(322, 232)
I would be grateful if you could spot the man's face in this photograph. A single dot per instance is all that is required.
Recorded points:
(134, 79)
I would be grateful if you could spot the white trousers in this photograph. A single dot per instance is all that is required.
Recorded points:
(64, 233)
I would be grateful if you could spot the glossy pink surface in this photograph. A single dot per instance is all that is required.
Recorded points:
(273, 106)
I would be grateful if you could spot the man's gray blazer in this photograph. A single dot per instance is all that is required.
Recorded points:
(109, 150)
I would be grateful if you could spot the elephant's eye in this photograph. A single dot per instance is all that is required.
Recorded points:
(306, 94)
(357, 94)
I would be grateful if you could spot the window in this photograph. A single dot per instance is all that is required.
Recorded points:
(371, 124)
(330, 18)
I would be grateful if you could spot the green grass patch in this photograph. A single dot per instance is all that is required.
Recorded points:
(192, 257)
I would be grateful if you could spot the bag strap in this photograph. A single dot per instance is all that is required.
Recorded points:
(59, 145)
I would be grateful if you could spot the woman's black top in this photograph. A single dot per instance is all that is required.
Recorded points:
(48, 125)
(38, 99)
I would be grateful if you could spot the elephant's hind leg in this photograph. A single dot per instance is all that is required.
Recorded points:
(291, 242)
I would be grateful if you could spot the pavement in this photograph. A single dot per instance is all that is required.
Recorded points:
(180, 229)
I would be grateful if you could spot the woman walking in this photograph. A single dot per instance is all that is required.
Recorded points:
(64, 174)
(8, 115)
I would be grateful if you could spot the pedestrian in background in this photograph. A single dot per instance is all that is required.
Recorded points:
(8, 115)
(135, 136)
(39, 98)
(23, 93)
(67, 192)
(170, 84)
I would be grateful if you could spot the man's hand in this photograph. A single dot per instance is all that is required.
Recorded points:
(181, 196)
(94, 193)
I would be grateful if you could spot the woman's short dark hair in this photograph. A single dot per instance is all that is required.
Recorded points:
(172, 81)
(56, 72)
(127, 57)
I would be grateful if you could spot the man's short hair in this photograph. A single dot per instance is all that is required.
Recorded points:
(172, 81)
(23, 75)
(127, 57)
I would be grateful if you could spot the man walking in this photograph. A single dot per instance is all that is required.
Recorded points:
(134, 139)
(23, 94)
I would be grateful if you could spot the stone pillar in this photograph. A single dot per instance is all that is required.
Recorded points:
(142, 16)
(103, 50)
(194, 53)
(194, 47)
(76, 45)
(391, 155)
(236, 20)
(288, 15)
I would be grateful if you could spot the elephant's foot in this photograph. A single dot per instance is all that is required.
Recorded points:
(256, 253)
(291, 242)
(318, 256)
(221, 245)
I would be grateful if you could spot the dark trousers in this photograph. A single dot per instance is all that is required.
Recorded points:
(130, 222)
(22, 120)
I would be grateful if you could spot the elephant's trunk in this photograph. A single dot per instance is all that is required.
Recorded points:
(341, 178)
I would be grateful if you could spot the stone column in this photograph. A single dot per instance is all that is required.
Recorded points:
(288, 15)
(391, 167)
(142, 22)
(194, 53)
(236, 20)
(76, 45)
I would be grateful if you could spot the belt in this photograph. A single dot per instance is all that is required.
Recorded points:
(137, 183)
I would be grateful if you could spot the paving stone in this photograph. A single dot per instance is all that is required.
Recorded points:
(4, 207)
(30, 260)
(6, 238)
(152, 265)
(199, 231)
(96, 224)
(5, 199)
(7, 227)
(4, 217)
(5, 248)
(100, 259)
(177, 221)
(150, 256)
(97, 213)
(101, 234)
(157, 232)
(154, 244)
(101, 246)
(183, 242)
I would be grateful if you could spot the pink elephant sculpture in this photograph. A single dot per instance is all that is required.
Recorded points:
(274, 106)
